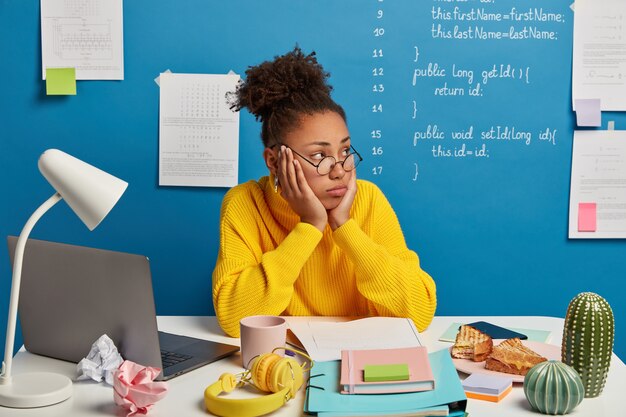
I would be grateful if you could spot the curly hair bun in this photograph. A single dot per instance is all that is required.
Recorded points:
(282, 84)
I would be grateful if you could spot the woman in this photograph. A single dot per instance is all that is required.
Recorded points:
(310, 239)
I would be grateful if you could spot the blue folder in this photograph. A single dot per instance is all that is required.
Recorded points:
(437, 411)
(458, 413)
(327, 398)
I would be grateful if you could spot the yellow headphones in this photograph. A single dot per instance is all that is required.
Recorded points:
(270, 372)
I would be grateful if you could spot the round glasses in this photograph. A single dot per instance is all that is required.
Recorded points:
(326, 164)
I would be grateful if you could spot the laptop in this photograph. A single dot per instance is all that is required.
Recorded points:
(71, 295)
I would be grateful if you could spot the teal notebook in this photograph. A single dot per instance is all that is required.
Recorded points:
(432, 411)
(426, 412)
(535, 335)
(327, 398)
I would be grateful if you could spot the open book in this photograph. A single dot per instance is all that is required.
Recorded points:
(324, 339)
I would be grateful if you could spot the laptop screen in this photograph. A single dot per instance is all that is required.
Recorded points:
(71, 295)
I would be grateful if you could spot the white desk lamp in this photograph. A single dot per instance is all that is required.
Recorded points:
(91, 193)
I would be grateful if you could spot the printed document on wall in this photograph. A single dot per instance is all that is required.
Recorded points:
(599, 59)
(83, 34)
(198, 132)
(598, 185)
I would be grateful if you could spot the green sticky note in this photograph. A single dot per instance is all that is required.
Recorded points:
(391, 372)
(61, 81)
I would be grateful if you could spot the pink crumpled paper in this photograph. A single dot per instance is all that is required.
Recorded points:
(134, 387)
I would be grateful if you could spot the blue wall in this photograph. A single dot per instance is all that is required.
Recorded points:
(491, 230)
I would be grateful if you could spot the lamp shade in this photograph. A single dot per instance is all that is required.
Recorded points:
(89, 191)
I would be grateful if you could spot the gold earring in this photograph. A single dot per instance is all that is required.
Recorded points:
(275, 184)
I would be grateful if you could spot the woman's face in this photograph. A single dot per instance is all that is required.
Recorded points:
(318, 136)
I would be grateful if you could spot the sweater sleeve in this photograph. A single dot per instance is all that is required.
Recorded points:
(248, 281)
(388, 274)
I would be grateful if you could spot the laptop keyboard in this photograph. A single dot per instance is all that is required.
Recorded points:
(170, 358)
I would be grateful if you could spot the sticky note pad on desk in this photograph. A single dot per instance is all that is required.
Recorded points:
(487, 384)
(391, 372)
(487, 387)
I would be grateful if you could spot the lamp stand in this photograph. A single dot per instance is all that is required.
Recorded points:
(37, 389)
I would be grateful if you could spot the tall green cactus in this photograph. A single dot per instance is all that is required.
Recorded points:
(588, 336)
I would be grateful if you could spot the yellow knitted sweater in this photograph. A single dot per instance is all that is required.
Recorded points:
(271, 263)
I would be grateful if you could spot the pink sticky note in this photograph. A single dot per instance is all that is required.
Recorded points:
(586, 217)
(588, 112)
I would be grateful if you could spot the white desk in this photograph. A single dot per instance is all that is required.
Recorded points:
(185, 397)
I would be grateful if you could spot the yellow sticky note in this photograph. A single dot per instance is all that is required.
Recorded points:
(61, 81)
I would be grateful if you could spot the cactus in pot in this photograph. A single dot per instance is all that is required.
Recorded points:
(588, 335)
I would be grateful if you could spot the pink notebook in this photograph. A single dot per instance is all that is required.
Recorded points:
(353, 363)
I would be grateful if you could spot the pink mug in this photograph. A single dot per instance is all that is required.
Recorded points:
(261, 334)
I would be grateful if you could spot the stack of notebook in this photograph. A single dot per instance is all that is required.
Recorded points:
(385, 371)
(324, 397)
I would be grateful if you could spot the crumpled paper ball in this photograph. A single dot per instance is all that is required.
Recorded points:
(103, 359)
(134, 387)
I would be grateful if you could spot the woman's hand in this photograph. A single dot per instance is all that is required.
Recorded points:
(341, 214)
(296, 190)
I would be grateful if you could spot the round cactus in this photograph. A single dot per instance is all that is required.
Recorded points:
(588, 336)
(553, 388)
